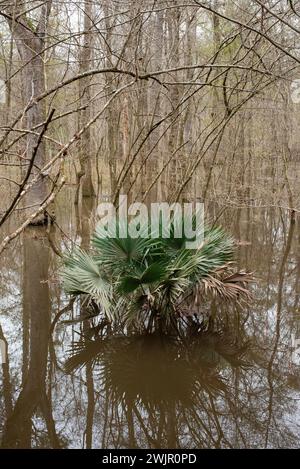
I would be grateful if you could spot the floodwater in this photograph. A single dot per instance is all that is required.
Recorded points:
(234, 385)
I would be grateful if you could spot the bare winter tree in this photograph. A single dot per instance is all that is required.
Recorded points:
(30, 42)
(151, 98)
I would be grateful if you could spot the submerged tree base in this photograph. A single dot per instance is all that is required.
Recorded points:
(43, 219)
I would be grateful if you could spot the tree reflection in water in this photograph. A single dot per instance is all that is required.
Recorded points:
(160, 380)
(33, 396)
(227, 383)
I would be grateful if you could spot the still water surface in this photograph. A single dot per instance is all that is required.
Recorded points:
(236, 384)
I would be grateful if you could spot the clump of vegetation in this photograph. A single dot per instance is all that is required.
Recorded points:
(154, 282)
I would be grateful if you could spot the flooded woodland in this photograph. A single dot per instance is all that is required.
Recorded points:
(135, 342)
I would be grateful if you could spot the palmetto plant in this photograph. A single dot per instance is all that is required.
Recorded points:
(153, 279)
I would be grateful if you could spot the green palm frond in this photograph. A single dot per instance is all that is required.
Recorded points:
(174, 237)
(124, 273)
(155, 273)
(82, 275)
(121, 254)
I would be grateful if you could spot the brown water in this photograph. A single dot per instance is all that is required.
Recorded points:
(235, 386)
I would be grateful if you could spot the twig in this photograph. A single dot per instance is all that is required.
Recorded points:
(27, 222)
(29, 169)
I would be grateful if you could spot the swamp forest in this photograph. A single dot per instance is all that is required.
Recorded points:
(149, 224)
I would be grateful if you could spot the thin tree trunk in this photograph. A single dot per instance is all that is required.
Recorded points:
(84, 176)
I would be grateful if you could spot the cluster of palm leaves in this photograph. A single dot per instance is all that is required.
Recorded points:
(143, 278)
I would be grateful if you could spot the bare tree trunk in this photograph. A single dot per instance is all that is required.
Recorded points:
(30, 44)
(84, 176)
(174, 17)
